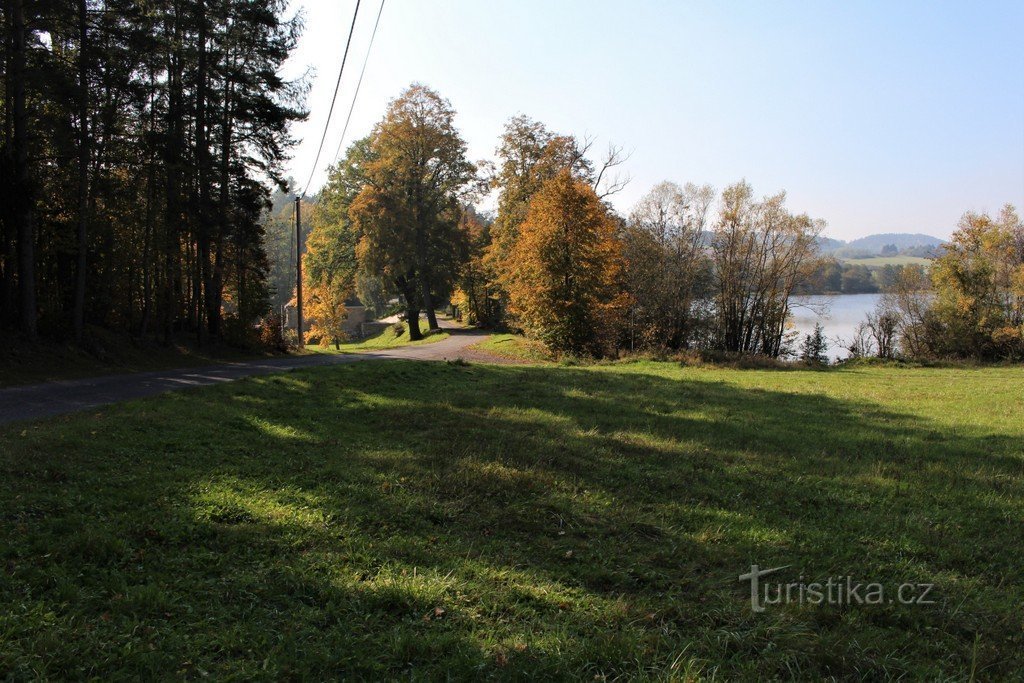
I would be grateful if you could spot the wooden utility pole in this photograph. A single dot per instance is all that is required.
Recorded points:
(298, 269)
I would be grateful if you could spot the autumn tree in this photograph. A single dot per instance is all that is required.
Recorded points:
(667, 270)
(529, 155)
(407, 212)
(476, 294)
(978, 284)
(565, 263)
(325, 307)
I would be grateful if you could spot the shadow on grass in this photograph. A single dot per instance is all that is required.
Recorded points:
(426, 520)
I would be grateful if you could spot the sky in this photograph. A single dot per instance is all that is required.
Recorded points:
(874, 116)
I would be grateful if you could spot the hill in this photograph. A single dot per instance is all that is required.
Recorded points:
(901, 240)
(882, 244)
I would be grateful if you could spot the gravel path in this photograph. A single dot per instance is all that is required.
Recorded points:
(67, 396)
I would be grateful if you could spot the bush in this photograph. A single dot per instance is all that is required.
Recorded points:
(271, 334)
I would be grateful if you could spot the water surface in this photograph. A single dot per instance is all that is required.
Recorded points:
(839, 314)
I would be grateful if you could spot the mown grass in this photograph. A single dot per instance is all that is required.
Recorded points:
(432, 520)
(516, 347)
(388, 338)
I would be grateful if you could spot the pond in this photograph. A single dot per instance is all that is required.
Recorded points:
(838, 314)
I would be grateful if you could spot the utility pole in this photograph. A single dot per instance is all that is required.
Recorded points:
(298, 269)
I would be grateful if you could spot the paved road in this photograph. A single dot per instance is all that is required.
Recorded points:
(57, 398)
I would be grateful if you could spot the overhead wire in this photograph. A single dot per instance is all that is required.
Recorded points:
(362, 71)
(334, 97)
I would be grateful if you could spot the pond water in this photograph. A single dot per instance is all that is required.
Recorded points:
(838, 314)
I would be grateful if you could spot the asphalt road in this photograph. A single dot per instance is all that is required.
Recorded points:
(57, 398)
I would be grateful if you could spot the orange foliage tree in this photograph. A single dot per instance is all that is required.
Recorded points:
(564, 267)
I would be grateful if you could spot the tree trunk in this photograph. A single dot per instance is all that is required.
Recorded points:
(25, 209)
(204, 272)
(428, 301)
(423, 273)
(412, 310)
(83, 173)
(412, 319)
(172, 220)
(215, 295)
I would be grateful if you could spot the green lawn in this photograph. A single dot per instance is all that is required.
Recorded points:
(386, 339)
(514, 346)
(431, 520)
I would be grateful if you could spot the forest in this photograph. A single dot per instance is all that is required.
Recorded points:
(140, 143)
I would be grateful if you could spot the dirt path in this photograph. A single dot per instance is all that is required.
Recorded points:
(57, 398)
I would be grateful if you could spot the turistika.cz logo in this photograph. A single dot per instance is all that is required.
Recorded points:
(836, 590)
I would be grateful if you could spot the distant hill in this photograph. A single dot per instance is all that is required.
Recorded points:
(902, 240)
(827, 245)
(883, 244)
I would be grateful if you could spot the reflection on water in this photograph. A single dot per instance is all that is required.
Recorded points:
(838, 314)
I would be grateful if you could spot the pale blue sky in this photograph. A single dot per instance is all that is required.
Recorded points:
(875, 116)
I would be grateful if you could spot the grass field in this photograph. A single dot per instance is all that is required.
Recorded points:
(514, 346)
(436, 520)
(879, 261)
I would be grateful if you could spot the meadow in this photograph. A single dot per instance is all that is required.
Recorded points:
(432, 520)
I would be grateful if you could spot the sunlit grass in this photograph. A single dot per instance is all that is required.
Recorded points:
(389, 338)
(408, 520)
(514, 346)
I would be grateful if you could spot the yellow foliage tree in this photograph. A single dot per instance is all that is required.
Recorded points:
(564, 266)
(979, 288)
(327, 314)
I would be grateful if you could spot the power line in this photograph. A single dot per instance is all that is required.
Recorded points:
(359, 82)
(334, 97)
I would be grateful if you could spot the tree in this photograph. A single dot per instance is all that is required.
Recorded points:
(407, 212)
(979, 288)
(814, 350)
(761, 253)
(856, 279)
(329, 264)
(562, 280)
(327, 313)
(667, 271)
(477, 295)
(883, 325)
(529, 155)
(909, 302)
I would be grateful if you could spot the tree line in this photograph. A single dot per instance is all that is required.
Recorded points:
(689, 269)
(555, 260)
(137, 144)
(968, 304)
